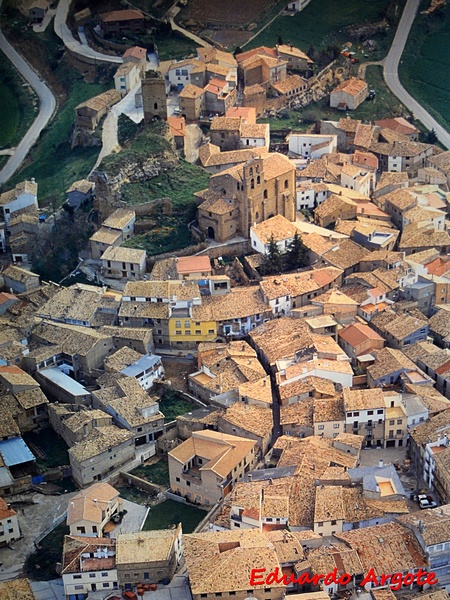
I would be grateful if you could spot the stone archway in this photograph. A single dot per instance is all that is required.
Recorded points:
(211, 232)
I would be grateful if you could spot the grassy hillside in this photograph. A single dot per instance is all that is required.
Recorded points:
(425, 65)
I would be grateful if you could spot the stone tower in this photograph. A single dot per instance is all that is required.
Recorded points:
(154, 96)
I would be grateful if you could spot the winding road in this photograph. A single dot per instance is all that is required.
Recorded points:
(392, 80)
(73, 45)
(47, 106)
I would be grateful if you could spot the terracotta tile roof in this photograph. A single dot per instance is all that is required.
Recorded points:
(352, 86)
(328, 409)
(89, 503)
(75, 546)
(363, 399)
(240, 302)
(254, 419)
(298, 413)
(389, 360)
(387, 548)
(282, 338)
(221, 451)
(259, 390)
(291, 83)
(407, 149)
(121, 15)
(348, 124)
(307, 386)
(191, 91)
(347, 255)
(17, 589)
(278, 226)
(98, 441)
(119, 219)
(143, 547)
(398, 124)
(225, 124)
(233, 555)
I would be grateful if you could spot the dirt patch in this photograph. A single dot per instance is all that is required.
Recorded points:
(231, 13)
(177, 371)
(228, 38)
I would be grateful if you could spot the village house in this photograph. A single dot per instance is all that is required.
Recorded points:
(392, 367)
(127, 77)
(248, 421)
(308, 145)
(118, 22)
(131, 408)
(400, 330)
(145, 368)
(310, 195)
(91, 509)
(115, 230)
(177, 127)
(359, 339)
(73, 423)
(349, 94)
(334, 208)
(278, 229)
(198, 470)
(148, 556)
(88, 114)
(9, 524)
(396, 423)
(100, 452)
(192, 102)
(88, 564)
(83, 305)
(22, 197)
(136, 55)
(365, 415)
(432, 532)
(123, 263)
(18, 280)
(222, 368)
(441, 162)
(80, 192)
(31, 402)
(400, 125)
(402, 156)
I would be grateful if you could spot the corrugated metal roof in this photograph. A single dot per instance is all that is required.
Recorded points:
(144, 363)
(5, 478)
(15, 452)
(64, 381)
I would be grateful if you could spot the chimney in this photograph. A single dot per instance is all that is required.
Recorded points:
(380, 463)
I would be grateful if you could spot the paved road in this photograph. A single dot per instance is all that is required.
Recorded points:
(71, 43)
(393, 81)
(47, 105)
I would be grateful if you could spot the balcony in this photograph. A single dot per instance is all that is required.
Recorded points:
(193, 476)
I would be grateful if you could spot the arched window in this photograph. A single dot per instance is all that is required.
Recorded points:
(252, 184)
(224, 191)
(258, 180)
(286, 184)
(257, 215)
(238, 186)
(155, 106)
(250, 171)
(265, 194)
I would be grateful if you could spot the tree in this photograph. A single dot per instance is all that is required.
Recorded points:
(237, 50)
(431, 137)
(297, 254)
(280, 41)
(273, 260)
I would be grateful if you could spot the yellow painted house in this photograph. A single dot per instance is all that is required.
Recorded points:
(183, 330)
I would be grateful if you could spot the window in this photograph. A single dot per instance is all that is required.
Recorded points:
(178, 332)
(265, 194)
(187, 324)
(320, 524)
(79, 587)
(399, 432)
(198, 332)
(391, 421)
(321, 427)
(336, 426)
(177, 323)
(370, 412)
(177, 479)
(92, 575)
(76, 577)
(105, 585)
(105, 574)
(380, 412)
(356, 414)
(399, 421)
(286, 184)
(333, 522)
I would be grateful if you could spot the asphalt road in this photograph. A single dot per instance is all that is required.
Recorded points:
(47, 105)
(393, 81)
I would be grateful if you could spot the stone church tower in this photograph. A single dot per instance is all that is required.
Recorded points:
(154, 96)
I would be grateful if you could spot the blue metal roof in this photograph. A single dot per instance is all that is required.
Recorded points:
(141, 365)
(15, 452)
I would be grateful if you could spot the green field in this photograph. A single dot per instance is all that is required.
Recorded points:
(19, 104)
(169, 513)
(156, 473)
(425, 66)
(173, 404)
(326, 23)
